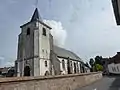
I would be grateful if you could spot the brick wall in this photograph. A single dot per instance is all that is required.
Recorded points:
(61, 82)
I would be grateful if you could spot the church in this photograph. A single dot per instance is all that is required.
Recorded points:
(38, 56)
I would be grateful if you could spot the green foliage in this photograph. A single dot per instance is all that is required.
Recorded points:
(98, 67)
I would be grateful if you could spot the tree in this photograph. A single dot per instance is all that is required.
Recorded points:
(98, 60)
(98, 67)
(91, 62)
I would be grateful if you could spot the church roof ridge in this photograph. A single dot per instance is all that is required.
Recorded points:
(66, 53)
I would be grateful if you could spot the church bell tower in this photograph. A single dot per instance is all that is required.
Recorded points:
(33, 56)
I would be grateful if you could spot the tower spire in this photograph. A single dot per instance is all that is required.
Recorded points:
(36, 15)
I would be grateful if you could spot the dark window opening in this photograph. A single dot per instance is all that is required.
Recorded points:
(71, 63)
(28, 31)
(63, 64)
(74, 67)
(68, 67)
(45, 63)
(81, 68)
(44, 31)
(47, 73)
(42, 50)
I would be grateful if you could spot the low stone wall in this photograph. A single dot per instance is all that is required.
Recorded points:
(61, 82)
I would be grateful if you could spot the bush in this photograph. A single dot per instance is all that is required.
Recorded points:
(98, 67)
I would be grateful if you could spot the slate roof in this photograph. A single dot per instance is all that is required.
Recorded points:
(36, 16)
(65, 53)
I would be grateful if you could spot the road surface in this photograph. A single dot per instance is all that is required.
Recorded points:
(107, 83)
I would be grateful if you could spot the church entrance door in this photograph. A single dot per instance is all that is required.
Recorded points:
(27, 71)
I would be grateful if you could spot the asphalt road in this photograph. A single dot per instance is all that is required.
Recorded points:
(107, 83)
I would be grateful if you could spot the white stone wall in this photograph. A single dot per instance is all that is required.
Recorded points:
(21, 65)
(26, 49)
(114, 68)
(44, 49)
(44, 44)
(35, 46)
(79, 67)
(28, 40)
(65, 71)
(19, 69)
(43, 68)
(73, 66)
(36, 65)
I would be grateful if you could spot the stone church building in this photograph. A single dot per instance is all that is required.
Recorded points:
(37, 56)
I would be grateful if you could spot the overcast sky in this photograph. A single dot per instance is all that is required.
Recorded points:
(89, 25)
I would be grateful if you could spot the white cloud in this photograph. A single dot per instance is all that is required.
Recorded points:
(58, 32)
(8, 64)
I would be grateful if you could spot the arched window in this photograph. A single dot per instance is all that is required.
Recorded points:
(63, 64)
(44, 31)
(28, 31)
(45, 63)
(71, 63)
(81, 68)
(74, 67)
(77, 67)
(46, 73)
